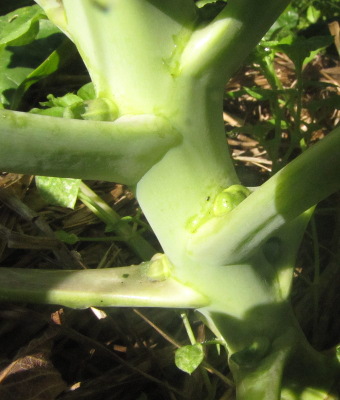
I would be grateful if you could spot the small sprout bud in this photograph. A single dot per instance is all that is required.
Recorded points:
(100, 110)
(159, 268)
(229, 199)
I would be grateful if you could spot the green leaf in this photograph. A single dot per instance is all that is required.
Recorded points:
(73, 106)
(261, 94)
(18, 62)
(58, 191)
(10, 76)
(87, 92)
(51, 64)
(68, 100)
(51, 112)
(301, 50)
(313, 14)
(209, 9)
(188, 358)
(284, 25)
(21, 26)
(68, 238)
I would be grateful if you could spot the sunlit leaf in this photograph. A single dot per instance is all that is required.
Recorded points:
(313, 14)
(21, 26)
(18, 62)
(188, 358)
(58, 191)
(87, 92)
(51, 64)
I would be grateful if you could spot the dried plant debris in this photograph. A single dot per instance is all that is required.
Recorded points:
(31, 375)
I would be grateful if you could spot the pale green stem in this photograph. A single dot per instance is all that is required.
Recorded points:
(310, 178)
(219, 48)
(190, 175)
(110, 287)
(188, 328)
(270, 357)
(55, 11)
(119, 151)
(131, 47)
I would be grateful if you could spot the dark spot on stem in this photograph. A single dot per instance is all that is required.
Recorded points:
(272, 249)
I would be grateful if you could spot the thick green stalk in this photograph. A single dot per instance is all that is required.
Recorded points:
(186, 181)
(111, 287)
(287, 368)
(153, 57)
(130, 48)
(311, 177)
(218, 49)
(119, 151)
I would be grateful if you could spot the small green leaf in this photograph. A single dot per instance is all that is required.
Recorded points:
(261, 94)
(188, 358)
(18, 62)
(301, 50)
(284, 25)
(87, 92)
(67, 100)
(51, 112)
(50, 65)
(58, 191)
(68, 238)
(313, 14)
(209, 9)
(100, 110)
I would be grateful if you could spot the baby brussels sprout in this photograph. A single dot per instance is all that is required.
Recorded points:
(158, 268)
(100, 110)
(229, 198)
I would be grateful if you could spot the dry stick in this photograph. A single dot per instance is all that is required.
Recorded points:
(73, 333)
(16, 240)
(155, 327)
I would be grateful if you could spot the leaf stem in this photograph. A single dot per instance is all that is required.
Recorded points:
(141, 247)
(220, 47)
(293, 190)
(188, 328)
(109, 287)
(120, 151)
